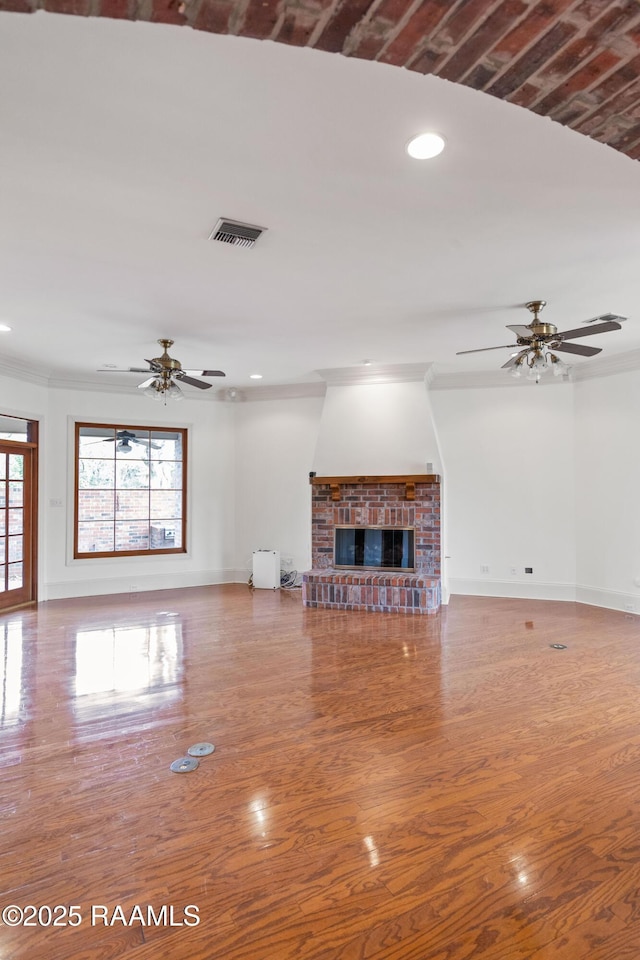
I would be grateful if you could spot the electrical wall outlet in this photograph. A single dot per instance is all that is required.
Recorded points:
(484, 568)
(528, 569)
(513, 571)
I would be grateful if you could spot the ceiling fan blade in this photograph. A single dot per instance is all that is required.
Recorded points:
(520, 329)
(511, 362)
(183, 378)
(505, 346)
(589, 331)
(606, 316)
(123, 370)
(146, 383)
(574, 348)
(204, 373)
(145, 443)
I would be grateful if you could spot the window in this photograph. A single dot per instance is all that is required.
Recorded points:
(130, 490)
(17, 429)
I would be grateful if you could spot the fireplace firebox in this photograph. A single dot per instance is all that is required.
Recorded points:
(373, 548)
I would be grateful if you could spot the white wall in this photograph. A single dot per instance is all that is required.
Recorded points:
(522, 463)
(211, 497)
(509, 489)
(608, 491)
(20, 398)
(210, 485)
(275, 443)
(376, 429)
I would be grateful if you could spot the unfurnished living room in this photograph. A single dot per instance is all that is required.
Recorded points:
(319, 472)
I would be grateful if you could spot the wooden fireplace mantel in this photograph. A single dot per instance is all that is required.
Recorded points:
(409, 480)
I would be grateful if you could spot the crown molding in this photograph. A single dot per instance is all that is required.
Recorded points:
(608, 366)
(585, 370)
(491, 378)
(387, 373)
(90, 386)
(282, 391)
(341, 376)
(19, 370)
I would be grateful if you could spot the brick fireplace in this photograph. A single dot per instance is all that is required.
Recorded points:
(404, 502)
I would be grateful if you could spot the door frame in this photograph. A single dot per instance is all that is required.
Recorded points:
(30, 449)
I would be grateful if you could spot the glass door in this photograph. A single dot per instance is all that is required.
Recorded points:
(16, 525)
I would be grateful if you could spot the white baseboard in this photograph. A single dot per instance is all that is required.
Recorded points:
(594, 596)
(610, 599)
(66, 589)
(525, 590)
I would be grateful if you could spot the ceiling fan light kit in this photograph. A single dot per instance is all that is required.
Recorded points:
(164, 370)
(159, 390)
(539, 362)
(538, 343)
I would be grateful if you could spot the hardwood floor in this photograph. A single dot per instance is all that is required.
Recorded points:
(384, 786)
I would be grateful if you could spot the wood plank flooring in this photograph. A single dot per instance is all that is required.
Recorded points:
(384, 787)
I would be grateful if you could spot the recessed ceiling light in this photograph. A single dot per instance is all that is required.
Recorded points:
(255, 376)
(4, 328)
(425, 146)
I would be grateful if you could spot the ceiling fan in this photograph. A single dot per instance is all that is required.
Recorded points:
(124, 438)
(539, 342)
(164, 372)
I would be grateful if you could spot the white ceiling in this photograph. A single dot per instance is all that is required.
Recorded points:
(122, 143)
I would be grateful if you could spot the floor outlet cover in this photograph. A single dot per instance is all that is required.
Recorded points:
(201, 750)
(184, 765)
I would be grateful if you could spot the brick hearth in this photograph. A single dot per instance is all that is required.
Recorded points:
(402, 501)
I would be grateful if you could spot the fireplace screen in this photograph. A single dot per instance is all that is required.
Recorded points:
(376, 548)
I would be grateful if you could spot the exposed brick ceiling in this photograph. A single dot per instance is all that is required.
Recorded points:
(576, 61)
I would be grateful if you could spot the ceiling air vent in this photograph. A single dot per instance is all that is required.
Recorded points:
(604, 317)
(232, 231)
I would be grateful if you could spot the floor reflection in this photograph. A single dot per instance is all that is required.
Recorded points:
(119, 663)
(11, 679)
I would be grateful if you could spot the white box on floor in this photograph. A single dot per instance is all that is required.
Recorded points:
(266, 569)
